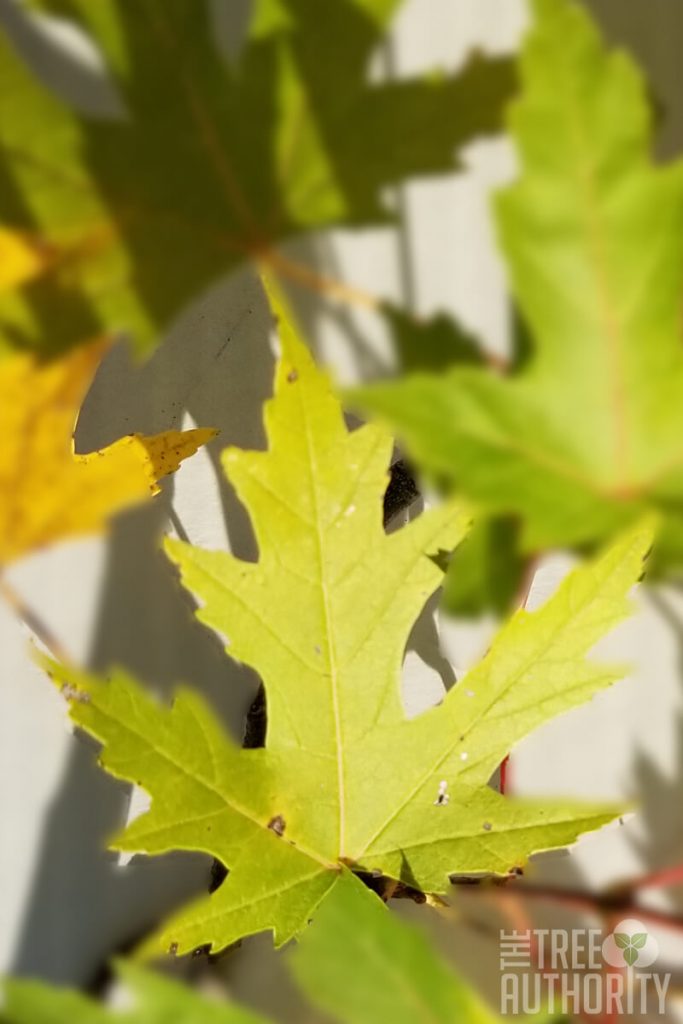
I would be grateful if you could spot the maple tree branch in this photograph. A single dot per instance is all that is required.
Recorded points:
(33, 620)
(610, 905)
(619, 899)
(662, 879)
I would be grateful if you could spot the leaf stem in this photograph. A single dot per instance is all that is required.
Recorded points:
(665, 878)
(323, 284)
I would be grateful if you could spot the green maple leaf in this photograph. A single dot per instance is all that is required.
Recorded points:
(586, 434)
(210, 163)
(157, 1000)
(324, 616)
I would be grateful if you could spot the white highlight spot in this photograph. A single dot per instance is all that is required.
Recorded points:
(442, 797)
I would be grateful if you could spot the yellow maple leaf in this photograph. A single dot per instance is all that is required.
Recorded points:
(47, 491)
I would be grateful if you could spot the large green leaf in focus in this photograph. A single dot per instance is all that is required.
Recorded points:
(157, 1000)
(211, 163)
(588, 433)
(345, 779)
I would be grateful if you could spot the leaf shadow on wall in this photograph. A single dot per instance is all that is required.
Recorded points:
(83, 904)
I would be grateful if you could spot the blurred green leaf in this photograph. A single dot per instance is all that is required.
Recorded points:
(362, 965)
(157, 1000)
(211, 164)
(485, 571)
(473, 581)
(586, 435)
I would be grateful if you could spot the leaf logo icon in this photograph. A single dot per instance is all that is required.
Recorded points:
(630, 944)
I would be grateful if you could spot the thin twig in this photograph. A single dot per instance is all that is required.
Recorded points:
(333, 288)
(603, 904)
(664, 878)
(35, 623)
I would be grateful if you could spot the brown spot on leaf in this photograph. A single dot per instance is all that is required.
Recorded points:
(277, 825)
(72, 693)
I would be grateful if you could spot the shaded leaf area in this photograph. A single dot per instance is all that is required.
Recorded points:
(48, 491)
(586, 434)
(486, 572)
(430, 344)
(212, 163)
(345, 779)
